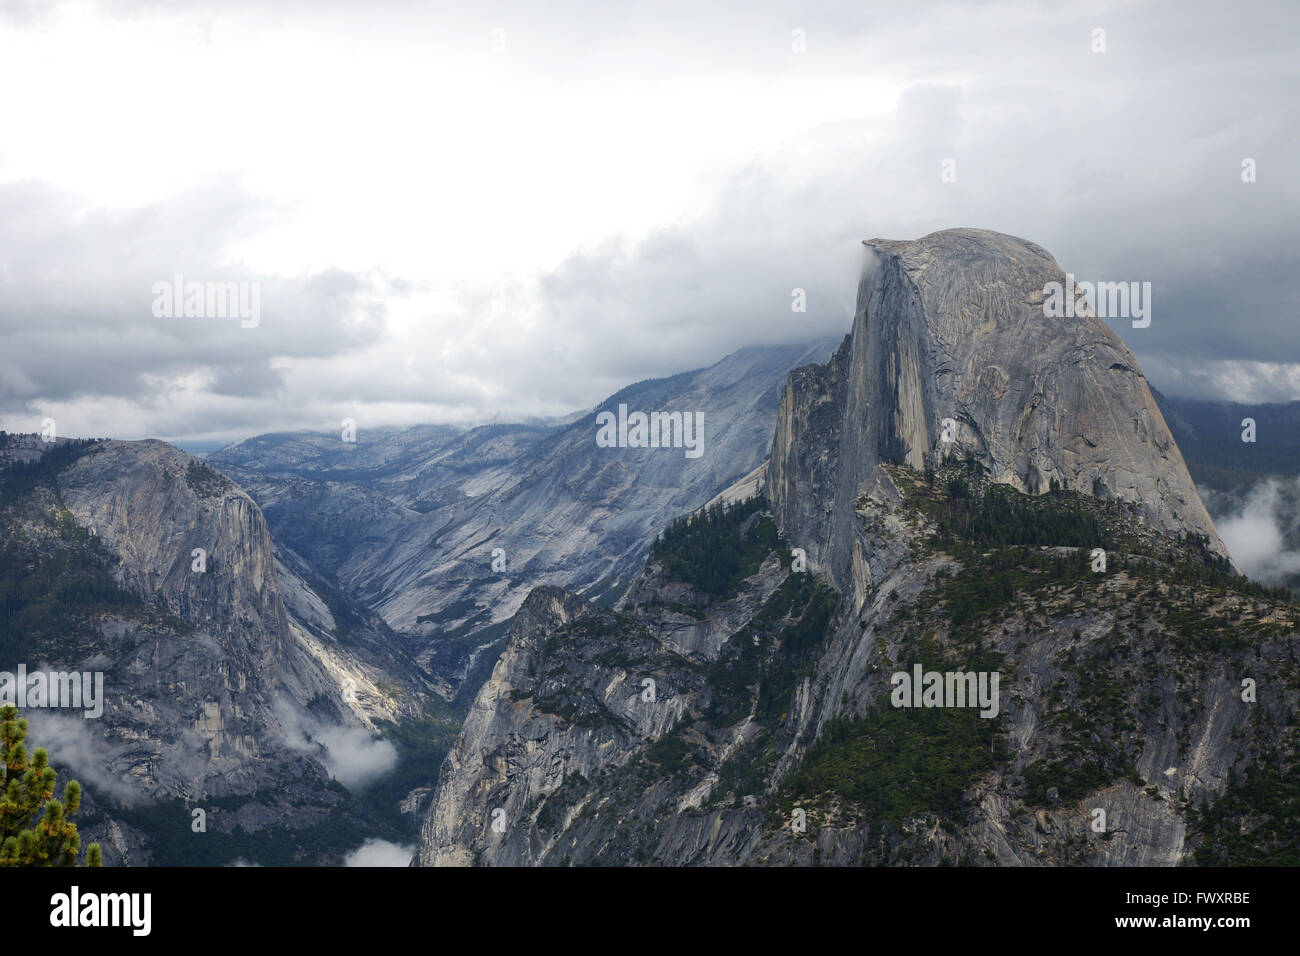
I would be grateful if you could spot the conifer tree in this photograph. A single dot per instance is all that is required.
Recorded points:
(28, 788)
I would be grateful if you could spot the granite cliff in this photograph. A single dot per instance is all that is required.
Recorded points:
(136, 560)
(737, 706)
(952, 327)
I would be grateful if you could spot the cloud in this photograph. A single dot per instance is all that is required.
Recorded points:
(1234, 380)
(611, 197)
(351, 755)
(23, 13)
(1256, 532)
(75, 753)
(354, 757)
(376, 852)
(82, 342)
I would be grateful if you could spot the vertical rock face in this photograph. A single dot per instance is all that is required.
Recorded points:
(775, 736)
(952, 326)
(189, 710)
(566, 706)
(451, 835)
(154, 507)
(211, 688)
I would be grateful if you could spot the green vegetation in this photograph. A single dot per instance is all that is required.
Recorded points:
(1029, 556)
(20, 478)
(672, 754)
(716, 548)
(1071, 777)
(29, 788)
(999, 533)
(974, 595)
(765, 660)
(1201, 629)
(53, 588)
(554, 806)
(172, 841)
(421, 745)
(897, 763)
(760, 671)
(1257, 820)
(974, 513)
(56, 578)
(1096, 723)
(1023, 566)
(204, 480)
(583, 710)
(600, 638)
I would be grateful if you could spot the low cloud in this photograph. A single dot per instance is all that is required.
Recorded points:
(1259, 530)
(74, 753)
(380, 853)
(352, 755)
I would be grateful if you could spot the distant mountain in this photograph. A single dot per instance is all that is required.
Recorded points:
(406, 522)
(750, 699)
(1251, 488)
(242, 684)
(1210, 436)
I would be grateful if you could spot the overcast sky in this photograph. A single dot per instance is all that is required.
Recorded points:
(484, 211)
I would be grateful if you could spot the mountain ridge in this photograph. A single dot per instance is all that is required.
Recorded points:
(874, 546)
(417, 546)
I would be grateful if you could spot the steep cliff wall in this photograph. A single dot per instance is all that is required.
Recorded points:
(952, 326)
(136, 561)
(1128, 693)
(772, 740)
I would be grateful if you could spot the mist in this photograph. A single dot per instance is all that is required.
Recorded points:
(351, 755)
(1257, 531)
(380, 853)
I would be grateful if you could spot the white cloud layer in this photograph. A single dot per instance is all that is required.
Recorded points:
(452, 224)
(376, 852)
(1255, 534)
(352, 755)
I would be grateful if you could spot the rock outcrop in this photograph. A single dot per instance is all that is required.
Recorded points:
(772, 632)
(213, 691)
(952, 326)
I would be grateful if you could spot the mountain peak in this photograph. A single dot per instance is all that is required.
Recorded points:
(951, 350)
